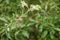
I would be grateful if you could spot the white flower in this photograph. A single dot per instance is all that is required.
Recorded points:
(24, 4)
(35, 7)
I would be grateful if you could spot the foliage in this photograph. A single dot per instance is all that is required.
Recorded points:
(29, 19)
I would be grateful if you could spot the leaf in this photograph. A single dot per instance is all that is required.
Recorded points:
(7, 1)
(46, 6)
(41, 28)
(2, 31)
(26, 34)
(3, 19)
(44, 34)
(51, 35)
(57, 29)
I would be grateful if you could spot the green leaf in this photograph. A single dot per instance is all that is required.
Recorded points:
(26, 34)
(44, 34)
(3, 19)
(51, 35)
(57, 29)
(41, 28)
(7, 1)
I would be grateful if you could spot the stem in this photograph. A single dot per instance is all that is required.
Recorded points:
(27, 11)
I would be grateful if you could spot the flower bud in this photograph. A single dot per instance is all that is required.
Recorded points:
(19, 19)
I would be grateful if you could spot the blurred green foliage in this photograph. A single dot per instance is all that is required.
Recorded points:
(29, 19)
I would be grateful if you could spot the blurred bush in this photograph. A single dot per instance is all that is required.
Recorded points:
(29, 19)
